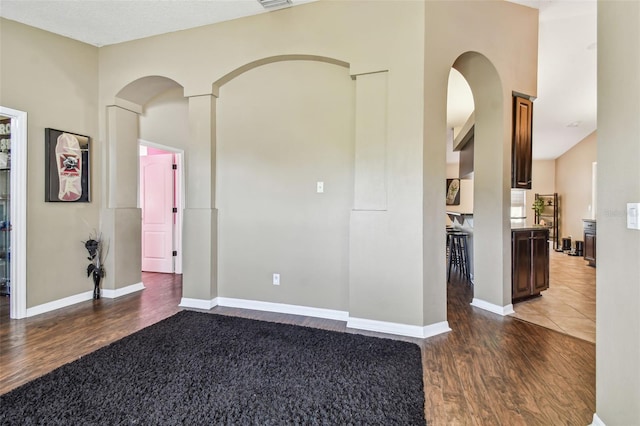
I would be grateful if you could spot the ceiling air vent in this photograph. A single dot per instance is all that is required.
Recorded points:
(274, 4)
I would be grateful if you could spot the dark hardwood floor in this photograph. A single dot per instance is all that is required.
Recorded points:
(490, 370)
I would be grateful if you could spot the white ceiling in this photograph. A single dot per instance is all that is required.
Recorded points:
(104, 22)
(564, 112)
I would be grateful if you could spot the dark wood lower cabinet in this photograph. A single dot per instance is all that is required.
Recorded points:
(529, 262)
(590, 241)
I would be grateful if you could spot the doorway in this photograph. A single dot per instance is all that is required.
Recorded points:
(459, 179)
(490, 217)
(161, 199)
(16, 268)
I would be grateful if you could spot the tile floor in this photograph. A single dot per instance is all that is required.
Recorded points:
(569, 305)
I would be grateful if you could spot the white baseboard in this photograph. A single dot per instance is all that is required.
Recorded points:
(435, 329)
(356, 323)
(397, 328)
(597, 421)
(118, 292)
(283, 308)
(496, 309)
(186, 302)
(60, 303)
(82, 297)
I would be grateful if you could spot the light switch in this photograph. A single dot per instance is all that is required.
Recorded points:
(320, 187)
(633, 215)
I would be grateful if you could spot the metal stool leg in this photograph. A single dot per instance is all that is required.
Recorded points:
(452, 254)
(465, 257)
(459, 255)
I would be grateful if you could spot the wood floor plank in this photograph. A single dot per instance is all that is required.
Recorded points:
(471, 377)
(433, 385)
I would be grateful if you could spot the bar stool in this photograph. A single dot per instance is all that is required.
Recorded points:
(458, 244)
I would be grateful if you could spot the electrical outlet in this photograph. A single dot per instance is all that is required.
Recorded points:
(276, 279)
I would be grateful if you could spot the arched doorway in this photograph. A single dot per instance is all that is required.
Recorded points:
(459, 169)
(492, 168)
(121, 217)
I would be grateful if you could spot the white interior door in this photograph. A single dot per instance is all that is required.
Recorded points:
(156, 201)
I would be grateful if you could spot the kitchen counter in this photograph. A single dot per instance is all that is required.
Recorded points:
(461, 218)
(528, 227)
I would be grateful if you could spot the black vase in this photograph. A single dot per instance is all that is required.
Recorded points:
(96, 284)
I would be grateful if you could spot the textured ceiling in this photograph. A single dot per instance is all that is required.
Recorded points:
(104, 22)
(564, 112)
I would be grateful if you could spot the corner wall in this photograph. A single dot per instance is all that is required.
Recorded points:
(55, 81)
(618, 271)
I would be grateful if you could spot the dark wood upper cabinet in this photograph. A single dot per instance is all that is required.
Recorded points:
(521, 143)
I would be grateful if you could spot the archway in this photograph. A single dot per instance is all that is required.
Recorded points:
(121, 216)
(492, 156)
(200, 285)
(200, 239)
(459, 172)
(281, 129)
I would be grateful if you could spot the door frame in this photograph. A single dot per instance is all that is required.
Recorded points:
(18, 212)
(177, 228)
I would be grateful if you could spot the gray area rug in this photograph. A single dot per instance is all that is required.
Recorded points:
(199, 368)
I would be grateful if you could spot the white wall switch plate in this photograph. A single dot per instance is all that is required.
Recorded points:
(320, 187)
(276, 279)
(633, 215)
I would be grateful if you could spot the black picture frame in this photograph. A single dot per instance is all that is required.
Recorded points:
(67, 167)
(453, 192)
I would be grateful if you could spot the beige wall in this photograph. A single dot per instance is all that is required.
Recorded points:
(543, 181)
(618, 271)
(165, 119)
(574, 186)
(55, 80)
(279, 133)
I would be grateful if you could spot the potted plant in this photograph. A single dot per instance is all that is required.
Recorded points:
(538, 206)
(94, 246)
